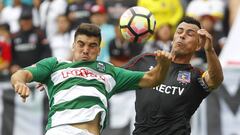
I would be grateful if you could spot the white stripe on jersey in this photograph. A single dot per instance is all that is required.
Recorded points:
(83, 72)
(72, 115)
(77, 91)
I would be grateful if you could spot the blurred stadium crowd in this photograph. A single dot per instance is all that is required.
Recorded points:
(31, 30)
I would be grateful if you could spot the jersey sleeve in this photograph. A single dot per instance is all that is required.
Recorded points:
(126, 80)
(201, 81)
(42, 69)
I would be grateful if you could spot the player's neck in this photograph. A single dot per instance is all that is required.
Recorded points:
(181, 59)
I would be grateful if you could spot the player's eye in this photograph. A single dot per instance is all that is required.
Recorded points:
(190, 34)
(179, 31)
(80, 44)
(93, 45)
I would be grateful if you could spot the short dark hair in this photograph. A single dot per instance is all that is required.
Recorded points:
(191, 20)
(89, 30)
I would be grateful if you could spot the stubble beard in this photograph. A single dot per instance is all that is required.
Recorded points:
(178, 53)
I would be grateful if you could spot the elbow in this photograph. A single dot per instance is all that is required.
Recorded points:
(217, 82)
(221, 79)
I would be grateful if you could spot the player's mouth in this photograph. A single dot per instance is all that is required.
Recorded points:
(85, 57)
(179, 43)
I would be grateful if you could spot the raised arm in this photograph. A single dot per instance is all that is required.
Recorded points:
(19, 80)
(157, 75)
(214, 75)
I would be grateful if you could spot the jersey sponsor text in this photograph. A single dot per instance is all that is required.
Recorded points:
(169, 89)
(81, 72)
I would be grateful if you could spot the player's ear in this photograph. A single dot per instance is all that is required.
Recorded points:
(199, 44)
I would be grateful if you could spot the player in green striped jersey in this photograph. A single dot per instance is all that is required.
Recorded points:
(79, 90)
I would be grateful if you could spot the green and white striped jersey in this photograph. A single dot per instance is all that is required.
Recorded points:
(78, 91)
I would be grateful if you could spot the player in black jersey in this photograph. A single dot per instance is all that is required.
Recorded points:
(167, 109)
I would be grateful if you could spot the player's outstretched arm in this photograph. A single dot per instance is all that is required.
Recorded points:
(214, 74)
(157, 75)
(19, 80)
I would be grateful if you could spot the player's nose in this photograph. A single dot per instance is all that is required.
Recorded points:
(182, 35)
(85, 49)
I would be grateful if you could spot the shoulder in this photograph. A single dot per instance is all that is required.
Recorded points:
(48, 61)
(102, 66)
(59, 60)
(137, 59)
(197, 71)
(104, 63)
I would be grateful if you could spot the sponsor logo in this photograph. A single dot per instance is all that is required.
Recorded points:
(173, 90)
(101, 67)
(81, 72)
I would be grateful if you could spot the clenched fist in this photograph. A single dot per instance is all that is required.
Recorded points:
(22, 90)
(206, 39)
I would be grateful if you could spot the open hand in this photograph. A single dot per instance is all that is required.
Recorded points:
(164, 58)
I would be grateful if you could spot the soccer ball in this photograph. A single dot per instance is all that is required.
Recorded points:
(137, 24)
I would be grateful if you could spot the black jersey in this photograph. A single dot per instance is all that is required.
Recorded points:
(28, 47)
(167, 109)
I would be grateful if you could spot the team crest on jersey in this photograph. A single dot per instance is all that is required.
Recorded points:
(184, 77)
(101, 67)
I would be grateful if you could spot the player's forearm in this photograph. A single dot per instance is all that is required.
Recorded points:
(160, 74)
(215, 73)
(155, 76)
(21, 76)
